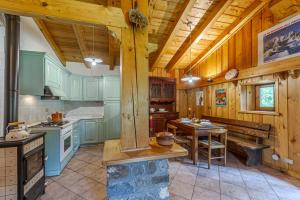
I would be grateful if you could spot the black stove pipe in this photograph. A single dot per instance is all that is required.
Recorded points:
(11, 71)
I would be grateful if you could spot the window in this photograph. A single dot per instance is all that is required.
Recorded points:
(265, 97)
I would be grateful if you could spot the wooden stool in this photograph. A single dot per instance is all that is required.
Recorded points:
(211, 144)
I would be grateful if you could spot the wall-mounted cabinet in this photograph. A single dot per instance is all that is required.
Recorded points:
(111, 85)
(92, 88)
(76, 88)
(38, 70)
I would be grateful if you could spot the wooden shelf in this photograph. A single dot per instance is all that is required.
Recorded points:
(260, 112)
(113, 155)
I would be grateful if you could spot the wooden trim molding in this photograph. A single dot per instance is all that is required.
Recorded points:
(273, 113)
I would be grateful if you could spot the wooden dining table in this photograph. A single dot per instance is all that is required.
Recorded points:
(195, 130)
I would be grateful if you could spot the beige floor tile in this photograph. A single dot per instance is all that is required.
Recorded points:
(82, 186)
(234, 191)
(97, 192)
(181, 189)
(69, 179)
(185, 177)
(234, 179)
(176, 197)
(76, 164)
(261, 195)
(203, 194)
(208, 183)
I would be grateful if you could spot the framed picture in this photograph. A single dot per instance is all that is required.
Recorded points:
(280, 42)
(221, 98)
(199, 98)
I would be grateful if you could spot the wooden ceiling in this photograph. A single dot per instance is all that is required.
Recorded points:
(212, 22)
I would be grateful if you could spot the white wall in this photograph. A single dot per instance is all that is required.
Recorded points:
(32, 39)
(98, 70)
(2, 63)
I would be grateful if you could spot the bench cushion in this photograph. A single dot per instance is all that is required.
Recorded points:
(246, 143)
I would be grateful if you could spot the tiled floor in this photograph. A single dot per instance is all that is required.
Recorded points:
(84, 178)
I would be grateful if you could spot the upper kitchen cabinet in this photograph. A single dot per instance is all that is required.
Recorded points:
(111, 85)
(76, 87)
(92, 89)
(66, 85)
(38, 70)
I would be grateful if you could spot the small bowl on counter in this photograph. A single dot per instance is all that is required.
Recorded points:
(165, 138)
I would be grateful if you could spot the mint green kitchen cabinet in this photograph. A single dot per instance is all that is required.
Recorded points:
(111, 88)
(76, 135)
(53, 74)
(38, 70)
(76, 88)
(90, 89)
(89, 134)
(101, 135)
(112, 119)
(66, 85)
(100, 86)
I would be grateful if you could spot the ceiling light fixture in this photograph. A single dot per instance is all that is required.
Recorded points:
(190, 77)
(93, 60)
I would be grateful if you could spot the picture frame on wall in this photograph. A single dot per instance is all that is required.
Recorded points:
(221, 97)
(199, 98)
(280, 42)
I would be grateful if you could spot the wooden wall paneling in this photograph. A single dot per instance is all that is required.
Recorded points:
(247, 45)
(239, 50)
(281, 123)
(225, 57)
(225, 109)
(256, 28)
(238, 115)
(231, 53)
(294, 123)
(219, 61)
(231, 101)
(213, 100)
(209, 100)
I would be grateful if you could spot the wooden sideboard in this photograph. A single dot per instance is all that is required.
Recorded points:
(162, 94)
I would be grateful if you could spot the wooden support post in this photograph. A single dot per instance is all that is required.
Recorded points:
(134, 80)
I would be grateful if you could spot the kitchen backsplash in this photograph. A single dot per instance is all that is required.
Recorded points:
(86, 112)
(33, 109)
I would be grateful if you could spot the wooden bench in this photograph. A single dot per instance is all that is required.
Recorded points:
(245, 138)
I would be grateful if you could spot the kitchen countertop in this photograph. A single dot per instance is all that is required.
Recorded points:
(71, 119)
(33, 136)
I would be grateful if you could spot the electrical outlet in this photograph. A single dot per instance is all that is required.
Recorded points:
(288, 161)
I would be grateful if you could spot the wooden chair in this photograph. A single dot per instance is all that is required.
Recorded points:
(212, 144)
(179, 138)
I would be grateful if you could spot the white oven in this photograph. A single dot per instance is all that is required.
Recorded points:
(66, 142)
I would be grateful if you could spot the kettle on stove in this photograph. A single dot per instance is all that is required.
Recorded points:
(16, 131)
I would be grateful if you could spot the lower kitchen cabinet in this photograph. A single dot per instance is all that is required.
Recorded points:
(101, 136)
(112, 119)
(89, 132)
(76, 135)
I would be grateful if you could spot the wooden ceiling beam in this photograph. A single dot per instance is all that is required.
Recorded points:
(186, 8)
(111, 52)
(230, 31)
(50, 40)
(199, 30)
(80, 41)
(71, 11)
